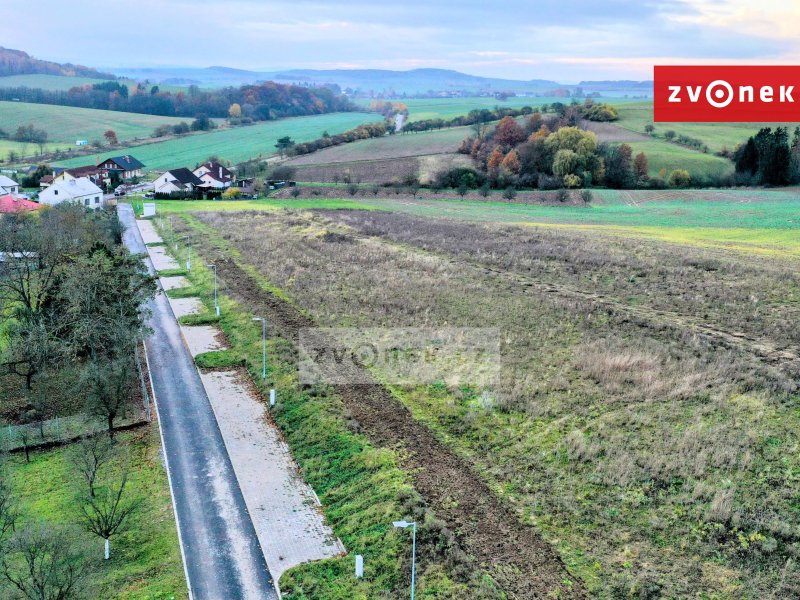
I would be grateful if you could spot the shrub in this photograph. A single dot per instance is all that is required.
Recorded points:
(572, 181)
(587, 196)
(231, 193)
(510, 193)
(352, 189)
(462, 189)
(562, 195)
(295, 192)
(680, 178)
(485, 190)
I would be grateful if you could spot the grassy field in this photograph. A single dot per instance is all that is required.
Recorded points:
(641, 423)
(237, 144)
(634, 116)
(145, 561)
(448, 108)
(46, 82)
(67, 124)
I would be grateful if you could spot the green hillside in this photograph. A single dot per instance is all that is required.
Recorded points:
(236, 144)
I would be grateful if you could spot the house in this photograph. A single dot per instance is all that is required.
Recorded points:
(48, 179)
(91, 172)
(124, 167)
(177, 180)
(8, 186)
(75, 190)
(214, 175)
(12, 204)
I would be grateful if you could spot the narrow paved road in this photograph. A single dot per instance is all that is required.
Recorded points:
(222, 555)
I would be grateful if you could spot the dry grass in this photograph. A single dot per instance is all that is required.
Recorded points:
(661, 463)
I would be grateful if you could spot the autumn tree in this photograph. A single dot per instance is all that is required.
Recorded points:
(495, 160)
(235, 111)
(511, 162)
(640, 166)
(619, 171)
(509, 133)
(111, 137)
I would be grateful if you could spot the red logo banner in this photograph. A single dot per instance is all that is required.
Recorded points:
(737, 94)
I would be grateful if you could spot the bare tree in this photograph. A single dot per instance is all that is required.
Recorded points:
(8, 510)
(106, 514)
(89, 457)
(107, 384)
(46, 563)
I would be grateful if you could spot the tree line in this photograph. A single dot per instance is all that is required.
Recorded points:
(769, 158)
(260, 102)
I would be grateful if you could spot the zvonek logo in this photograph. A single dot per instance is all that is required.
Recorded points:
(727, 94)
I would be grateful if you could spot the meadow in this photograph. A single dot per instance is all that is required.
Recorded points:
(145, 559)
(639, 405)
(447, 108)
(46, 82)
(236, 144)
(67, 124)
(717, 136)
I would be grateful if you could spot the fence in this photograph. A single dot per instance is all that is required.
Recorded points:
(66, 429)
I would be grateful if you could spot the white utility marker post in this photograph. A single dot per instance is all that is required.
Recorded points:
(263, 346)
(413, 525)
(216, 302)
(359, 566)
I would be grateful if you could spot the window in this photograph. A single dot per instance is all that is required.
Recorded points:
(55, 192)
(86, 202)
(97, 199)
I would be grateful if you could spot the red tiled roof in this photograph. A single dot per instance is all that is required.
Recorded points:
(10, 204)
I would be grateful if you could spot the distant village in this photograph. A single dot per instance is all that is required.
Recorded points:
(98, 185)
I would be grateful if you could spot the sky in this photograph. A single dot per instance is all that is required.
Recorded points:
(564, 40)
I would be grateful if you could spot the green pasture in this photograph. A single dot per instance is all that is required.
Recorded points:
(636, 115)
(237, 144)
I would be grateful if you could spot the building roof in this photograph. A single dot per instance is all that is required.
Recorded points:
(10, 204)
(216, 170)
(85, 171)
(7, 182)
(46, 179)
(125, 163)
(74, 188)
(185, 176)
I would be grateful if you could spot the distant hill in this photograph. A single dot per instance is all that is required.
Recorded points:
(17, 62)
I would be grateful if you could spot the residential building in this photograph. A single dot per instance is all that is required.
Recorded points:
(214, 175)
(124, 167)
(75, 190)
(8, 186)
(177, 180)
(91, 172)
(12, 204)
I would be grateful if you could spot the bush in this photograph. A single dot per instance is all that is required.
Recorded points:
(509, 193)
(548, 182)
(283, 173)
(562, 195)
(680, 178)
(295, 191)
(352, 189)
(587, 196)
(572, 181)
(485, 190)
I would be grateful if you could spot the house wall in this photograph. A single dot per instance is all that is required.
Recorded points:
(49, 197)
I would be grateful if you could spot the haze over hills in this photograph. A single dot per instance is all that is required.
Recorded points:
(363, 82)
(379, 81)
(18, 62)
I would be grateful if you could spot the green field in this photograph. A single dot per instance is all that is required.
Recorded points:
(67, 124)
(664, 155)
(27, 149)
(237, 144)
(448, 108)
(46, 82)
(634, 116)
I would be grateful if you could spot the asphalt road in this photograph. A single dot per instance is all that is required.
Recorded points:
(222, 556)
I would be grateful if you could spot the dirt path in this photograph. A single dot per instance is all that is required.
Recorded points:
(523, 564)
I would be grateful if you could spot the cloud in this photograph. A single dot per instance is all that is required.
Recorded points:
(550, 38)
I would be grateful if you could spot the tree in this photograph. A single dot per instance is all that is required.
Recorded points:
(566, 162)
(619, 171)
(640, 166)
(8, 510)
(111, 137)
(105, 514)
(649, 129)
(511, 162)
(231, 193)
(669, 135)
(47, 563)
(462, 189)
(495, 160)
(509, 133)
(680, 178)
(284, 144)
(510, 193)
(202, 123)
(107, 384)
(587, 196)
(89, 457)
(235, 111)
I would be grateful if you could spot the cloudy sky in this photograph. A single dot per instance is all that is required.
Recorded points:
(566, 40)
